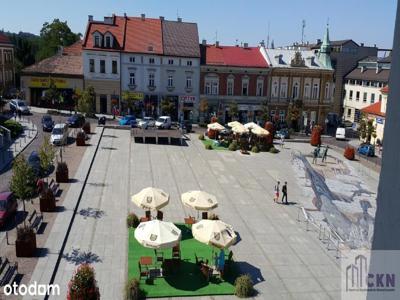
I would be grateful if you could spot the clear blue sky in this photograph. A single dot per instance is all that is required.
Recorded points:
(371, 22)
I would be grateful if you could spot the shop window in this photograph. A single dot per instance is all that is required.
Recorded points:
(114, 67)
(102, 66)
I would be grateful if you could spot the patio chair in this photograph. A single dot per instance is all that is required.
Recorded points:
(176, 252)
(159, 256)
(199, 260)
(204, 215)
(143, 273)
(160, 215)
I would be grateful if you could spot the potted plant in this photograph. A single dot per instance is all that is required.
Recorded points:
(83, 284)
(62, 172)
(86, 127)
(47, 201)
(25, 244)
(349, 152)
(244, 286)
(316, 136)
(80, 138)
(133, 290)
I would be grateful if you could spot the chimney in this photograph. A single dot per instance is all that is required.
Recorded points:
(318, 41)
(143, 16)
(161, 18)
(90, 18)
(217, 44)
(262, 44)
(179, 19)
(362, 44)
(245, 45)
(204, 42)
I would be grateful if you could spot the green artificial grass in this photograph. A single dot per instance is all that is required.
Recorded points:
(211, 142)
(185, 280)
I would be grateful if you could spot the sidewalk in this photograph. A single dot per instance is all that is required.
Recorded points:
(8, 153)
(42, 110)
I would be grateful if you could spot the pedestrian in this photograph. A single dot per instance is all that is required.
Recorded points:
(19, 114)
(325, 154)
(276, 191)
(315, 155)
(284, 193)
(15, 115)
(282, 140)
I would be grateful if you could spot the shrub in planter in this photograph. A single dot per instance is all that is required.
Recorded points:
(349, 153)
(15, 128)
(80, 138)
(201, 137)
(132, 220)
(62, 172)
(255, 149)
(25, 245)
(133, 290)
(86, 127)
(47, 201)
(83, 284)
(233, 146)
(316, 136)
(244, 286)
(273, 150)
(208, 147)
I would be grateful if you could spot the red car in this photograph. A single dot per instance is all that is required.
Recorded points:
(8, 206)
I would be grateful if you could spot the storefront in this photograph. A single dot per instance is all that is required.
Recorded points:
(187, 106)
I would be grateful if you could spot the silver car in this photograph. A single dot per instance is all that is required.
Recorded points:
(19, 105)
(146, 122)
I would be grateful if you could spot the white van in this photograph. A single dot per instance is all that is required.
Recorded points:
(59, 134)
(163, 122)
(341, 133)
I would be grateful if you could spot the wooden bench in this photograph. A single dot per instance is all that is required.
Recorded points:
(35, 220)
(54, 187)
(10, 273)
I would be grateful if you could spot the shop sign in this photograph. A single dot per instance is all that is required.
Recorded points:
(44, 82)
(187, 99)
(379, 120)
(136, 95)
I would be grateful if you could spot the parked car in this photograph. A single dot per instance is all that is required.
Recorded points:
(146, 122)
(59, 135)
(284, 132)
(34, 163)
(366, 149)
(341, 133)
(47, 123)
(164, 122)
(76, 120)
(8, 206)
(19, 105)
(128, 120)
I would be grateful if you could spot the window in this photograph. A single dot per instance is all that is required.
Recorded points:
(214, 88)
(307, 91)
(170, 81)
(282, 115)
(114, 67)
(189, 63)
(283, 90)
(96, 41)
(102, 66)
(275, 89)
(132, 59)
(372, 98)
(380, 97)
(245, 88)
(151, 79)
(365, 97)
(91, 65)
(315, 91)
(349, 112)
(170, 61)
(357, 96)
(327, 90)
(188, 82)
(229, 89)
(151, 60)
(132, 78)
(108, 42)
(295, 92)
(351, 95)
(208, 88)
(260, 88)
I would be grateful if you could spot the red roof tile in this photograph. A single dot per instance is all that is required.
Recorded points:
(374, 109)
(142, 35)
(4, 39)
(234, 56)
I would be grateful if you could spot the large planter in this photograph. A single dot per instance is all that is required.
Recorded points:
(316, 136)
(62, 173)
(80, 140)
(47, 202)
(86, 128)
(349, 153)
(26, 247)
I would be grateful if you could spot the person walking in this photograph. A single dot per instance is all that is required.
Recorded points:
(315, 155)
(325, 154)
(19, 114)
(15, 115)
(282, 141)
(284, 193)
(276, 191)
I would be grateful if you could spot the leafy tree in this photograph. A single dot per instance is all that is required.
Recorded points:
(366, 128)
(294, 113)
(52, 95)
(22, 180)
(233, 110)
(167, 106)
(47, 154)
(52, 36)
(203, 109)
(265, 112)
(86, 102)
(130, 100)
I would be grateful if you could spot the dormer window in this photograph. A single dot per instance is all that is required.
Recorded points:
(97, 42)
(108, 42)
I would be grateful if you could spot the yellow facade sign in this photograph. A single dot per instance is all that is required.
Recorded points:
(44, 82)
(136, 95)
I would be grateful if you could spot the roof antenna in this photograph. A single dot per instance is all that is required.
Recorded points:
(268, 36)
(177, 13)
(216, 35)
(303, 25)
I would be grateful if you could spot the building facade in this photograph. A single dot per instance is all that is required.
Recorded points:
(7, 69)
(363, 86)
(233, 75)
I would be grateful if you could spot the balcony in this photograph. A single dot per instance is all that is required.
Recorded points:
(132, 87)
(170, 88)
(151, 87)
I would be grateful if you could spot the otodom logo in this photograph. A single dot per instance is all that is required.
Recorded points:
(33, 289)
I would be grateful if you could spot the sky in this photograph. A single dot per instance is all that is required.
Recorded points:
(364, 21)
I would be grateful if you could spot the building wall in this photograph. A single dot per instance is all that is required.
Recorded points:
(7, 70)
(107, 88)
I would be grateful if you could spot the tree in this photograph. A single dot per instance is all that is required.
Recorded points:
(130, 100)
(367, 128)
(22, 180)
(167, 106)
(294, 113)
(52, 36)
(52, 94)
(233, 110)
(86, 102)
(265, 112)
(47, 154)
(203, 108)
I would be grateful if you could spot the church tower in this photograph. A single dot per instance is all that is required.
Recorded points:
(325, 51)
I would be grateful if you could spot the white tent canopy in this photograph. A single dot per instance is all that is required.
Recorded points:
(215, 126)
(157, 234)
(199, 200)
(251, 125)
(239, 129)
(234, 123)
(260, 131)
(215, 233)
(151, 198)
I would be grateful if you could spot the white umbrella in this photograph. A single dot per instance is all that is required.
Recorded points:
(199, 200)
(157, 234)
(151, 198)
(260, 131)
(240, 129)
(234, 123)
(215, 126)
(250, 125)
(215, 233)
